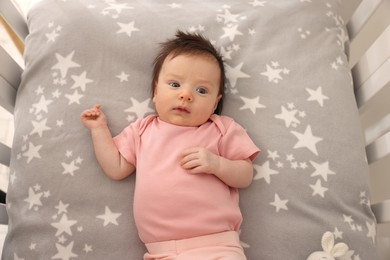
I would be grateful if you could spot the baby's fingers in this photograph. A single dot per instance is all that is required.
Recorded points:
(90, 114)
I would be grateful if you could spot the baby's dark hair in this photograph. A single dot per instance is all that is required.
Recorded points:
(192, 44)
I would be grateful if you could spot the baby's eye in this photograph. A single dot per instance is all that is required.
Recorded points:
(174, 84)
(202, 91)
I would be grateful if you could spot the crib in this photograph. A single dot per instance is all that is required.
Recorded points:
(368, 25)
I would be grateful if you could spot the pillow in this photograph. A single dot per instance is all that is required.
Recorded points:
(289, 86)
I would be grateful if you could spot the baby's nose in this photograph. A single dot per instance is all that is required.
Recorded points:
(186, 96)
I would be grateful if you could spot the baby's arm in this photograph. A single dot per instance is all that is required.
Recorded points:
(107, 154)
(234, 173)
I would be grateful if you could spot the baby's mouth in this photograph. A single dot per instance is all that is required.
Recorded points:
(182, 109)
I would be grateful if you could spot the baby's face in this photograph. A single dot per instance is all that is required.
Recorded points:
(187, 90)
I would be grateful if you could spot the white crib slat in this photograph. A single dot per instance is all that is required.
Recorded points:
(382, 211)
(371, 18)
(378, 149)
(377, 130)
(377, 82)
(375, 56)
(361, 15)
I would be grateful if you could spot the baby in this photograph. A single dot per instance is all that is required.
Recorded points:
(190, 161)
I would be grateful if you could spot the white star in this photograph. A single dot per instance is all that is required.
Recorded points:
(51, 37)
(87, 248)
(61, 207)
(371, 231)
(140, 109)
(127, 28)
(65, 63)
(64, 225)
(69, 168)
(233, 74)
(289, 116)
(109, 217)
(322, 170)
(32, 152)
(264, 172)
(39, 90)
(273, 74)
(118, 7)
(228, 17)
(279, 204)
(32, 246)
(81, 81)
(337, 233)
(273, 155)
(174, 5)
(318, 189)
(348, 219)
(39, 127)
(307, 140)
(64, 253)
(34, 199)
(42, 105)
(231, 32)
(258, 3)
(316, 95)
(74, 98)
(251, 103)
(123, 77)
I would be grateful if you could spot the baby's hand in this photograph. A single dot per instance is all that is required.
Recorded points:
(200, 160)
(93, 117)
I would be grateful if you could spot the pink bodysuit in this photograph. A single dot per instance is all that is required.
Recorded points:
(170, 203)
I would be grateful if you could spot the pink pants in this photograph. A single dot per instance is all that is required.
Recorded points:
(225, 245)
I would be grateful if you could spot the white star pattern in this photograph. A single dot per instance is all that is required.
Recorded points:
(316, 95)
(69, 168)
(65, 63)
(39, 127)
(288, 116)
(33, 199)
(64, 252)
(371, 231)
(251, 104)
(81, 81)
(307, 140)
(322, 170)
(279, 203)
(231, 32)
(264, 172)
(74, 98)
(127, 28)
(123, 76)
(41, 106)
(64, 226)
(109, 217)
(318, 189)
(235, 73)
(32, 152)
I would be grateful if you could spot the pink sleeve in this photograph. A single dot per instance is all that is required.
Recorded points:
(126, 143)
(236, 143)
